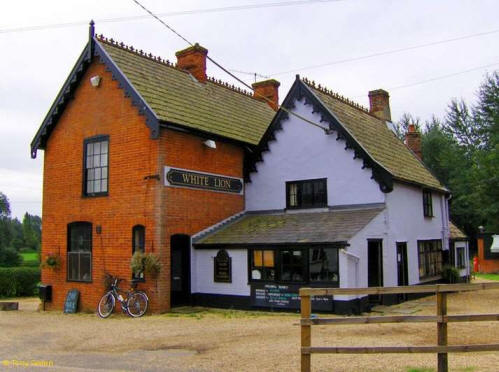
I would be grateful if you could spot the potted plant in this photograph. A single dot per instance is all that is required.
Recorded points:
(52, 261)
(145, 263)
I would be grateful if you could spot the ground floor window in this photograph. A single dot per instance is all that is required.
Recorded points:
(79, 266)
(294, 265)
(430, 258)
(460, 258)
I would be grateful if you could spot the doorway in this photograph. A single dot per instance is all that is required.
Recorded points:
(374, 267)
(402, 272)
(180, 246)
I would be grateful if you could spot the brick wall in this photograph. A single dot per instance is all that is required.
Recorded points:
(131, 200)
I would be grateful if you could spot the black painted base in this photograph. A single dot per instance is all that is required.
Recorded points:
(356, 306)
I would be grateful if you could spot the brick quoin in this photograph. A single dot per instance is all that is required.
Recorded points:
(131, 200)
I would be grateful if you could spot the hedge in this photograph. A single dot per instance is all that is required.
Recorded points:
(19, 281)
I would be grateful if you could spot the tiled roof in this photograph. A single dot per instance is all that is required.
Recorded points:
(455, 232)
(176, 97)
(284, 227)
(377, 139)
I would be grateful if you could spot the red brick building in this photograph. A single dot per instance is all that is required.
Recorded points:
(124, 122)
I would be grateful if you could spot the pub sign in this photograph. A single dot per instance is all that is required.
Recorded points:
(178, 177)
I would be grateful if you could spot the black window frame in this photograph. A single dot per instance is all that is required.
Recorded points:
(79, 253)
(460, 257)
(306, 251)
(427, 203)
(430, 254)
(86, 142)
(319, 200)
(135, 230)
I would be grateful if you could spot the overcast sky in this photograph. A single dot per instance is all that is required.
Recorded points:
(265, 39)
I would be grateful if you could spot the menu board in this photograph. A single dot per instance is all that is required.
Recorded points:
(71, 304)
(283, 296)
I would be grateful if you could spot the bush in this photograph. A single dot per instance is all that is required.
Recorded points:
(19, 281)
(147, 263)
(9, 258)
(450, 274)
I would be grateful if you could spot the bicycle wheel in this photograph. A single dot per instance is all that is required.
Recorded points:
(137, 304)
(106, 305)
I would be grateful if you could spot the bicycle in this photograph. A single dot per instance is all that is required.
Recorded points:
(134, 304)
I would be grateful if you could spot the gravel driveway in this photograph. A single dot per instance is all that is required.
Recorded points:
(194, 339)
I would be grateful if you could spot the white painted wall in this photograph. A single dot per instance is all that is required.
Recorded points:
(302, 151)
(463, 244)
(202, 273)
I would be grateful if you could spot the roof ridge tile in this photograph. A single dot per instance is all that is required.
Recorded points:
(166, 62)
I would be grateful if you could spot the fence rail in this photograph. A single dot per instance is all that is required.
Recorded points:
(441, 318)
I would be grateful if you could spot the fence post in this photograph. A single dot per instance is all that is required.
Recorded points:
(442, 330)
(306, 333)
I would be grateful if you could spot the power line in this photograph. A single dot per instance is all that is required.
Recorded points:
(227, 71)
(170, 14)
(384, 53)
(436, 78)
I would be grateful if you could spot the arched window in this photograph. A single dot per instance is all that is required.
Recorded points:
(79, 250)
(138, 245)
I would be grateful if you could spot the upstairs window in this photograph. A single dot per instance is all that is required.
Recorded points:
(427, 204)
(306, 194)
(95, 177)
(138, 245)
(79, 252)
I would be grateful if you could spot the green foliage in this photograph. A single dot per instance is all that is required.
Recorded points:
(19, 281)
(4, 205)
(148, 263)
(401, 127)
(9, 258)
(462, 152)
(32, 231)
(51, 261)
(450, 274)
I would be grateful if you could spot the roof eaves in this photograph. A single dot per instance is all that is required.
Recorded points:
(61, 100)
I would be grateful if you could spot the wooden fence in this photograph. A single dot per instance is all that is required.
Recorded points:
(441, 318)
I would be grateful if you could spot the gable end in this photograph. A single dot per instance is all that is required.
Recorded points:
(300, 91)
(93, 48)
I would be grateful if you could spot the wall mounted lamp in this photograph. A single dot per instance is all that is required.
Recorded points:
(210, 143)
(95, 81)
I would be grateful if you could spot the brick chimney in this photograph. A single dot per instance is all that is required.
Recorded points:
(268, 89)
(193, 60)
(379, 104)
(413, 140)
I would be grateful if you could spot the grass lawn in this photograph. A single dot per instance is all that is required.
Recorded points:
(30, 258)
(488, 276)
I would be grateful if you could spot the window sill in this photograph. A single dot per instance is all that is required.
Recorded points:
(429, 279)
(79, 281)
(96, 195)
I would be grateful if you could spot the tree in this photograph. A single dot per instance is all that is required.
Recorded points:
(31, 228)
(4, 205)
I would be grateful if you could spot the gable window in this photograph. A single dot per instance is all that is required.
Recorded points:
(79, 258)
(427, 204)
(306, 194)
(262, 265)
(430, 258)
(96, 166)
(138, 245)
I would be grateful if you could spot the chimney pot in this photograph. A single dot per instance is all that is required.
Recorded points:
(379, 104)
(193, 60)
(267, 91)
(413, 140)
